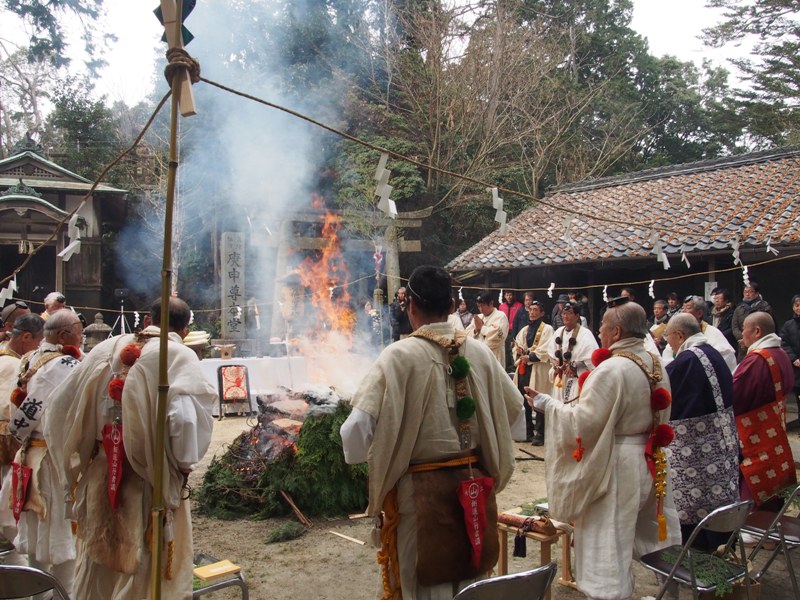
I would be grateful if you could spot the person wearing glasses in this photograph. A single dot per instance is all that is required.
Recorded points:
(10, 314)
(44, 532)
(52, 302)
(596, 464)
(25, 336)
(570, 351)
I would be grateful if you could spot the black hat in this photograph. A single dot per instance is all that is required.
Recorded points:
(563, 298)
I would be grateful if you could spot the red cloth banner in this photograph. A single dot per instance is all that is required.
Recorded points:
(115, 456)
(472, 495)
(20, 479)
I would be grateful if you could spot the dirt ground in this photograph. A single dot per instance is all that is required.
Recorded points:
(321, 565)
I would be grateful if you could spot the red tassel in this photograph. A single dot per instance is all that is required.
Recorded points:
(72, 351)
(582, 378)
(115, 389)
(600, 355)
(660, 398)
(129, 354)
(663, 435)
(18, 396)
(577, 454)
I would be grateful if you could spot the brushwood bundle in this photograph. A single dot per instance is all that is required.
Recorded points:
(295, 447)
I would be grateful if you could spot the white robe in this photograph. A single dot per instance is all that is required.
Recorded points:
(716, 339)
(189, 426)
(404, 413)
(608, 494)
(581, 356)
(540, 371)
(9, 371)
(47, 539)
(493, 333)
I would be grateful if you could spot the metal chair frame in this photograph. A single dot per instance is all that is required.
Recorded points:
(20, 582)
(235, 580)
(730, 517)
(528, 585)
(776, 527)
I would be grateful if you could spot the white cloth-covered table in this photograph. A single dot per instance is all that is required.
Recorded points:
(266, 374)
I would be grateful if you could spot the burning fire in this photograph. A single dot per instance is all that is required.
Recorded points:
(324, 276)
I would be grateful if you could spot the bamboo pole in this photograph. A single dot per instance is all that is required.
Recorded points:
(157, 507)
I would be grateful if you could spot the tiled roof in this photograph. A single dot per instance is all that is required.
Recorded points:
(39, 173)
(694, 207)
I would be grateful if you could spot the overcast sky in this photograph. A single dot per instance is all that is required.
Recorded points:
(671, 27)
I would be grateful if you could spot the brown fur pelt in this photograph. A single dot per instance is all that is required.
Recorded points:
(113, 539)
(443, 548)
(8, 445)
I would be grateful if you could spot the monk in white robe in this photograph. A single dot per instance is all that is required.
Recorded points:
(24, 337)
(404, 414)
(608, 493)
(532, 366)
(570, 352)
(113, 552)
(490, 327)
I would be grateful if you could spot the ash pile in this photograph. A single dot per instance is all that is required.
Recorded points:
(292, 447)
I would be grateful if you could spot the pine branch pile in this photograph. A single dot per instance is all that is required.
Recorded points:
(247, 479)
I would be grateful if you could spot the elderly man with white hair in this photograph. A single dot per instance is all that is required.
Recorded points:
(696, 306)
(704, 458)
(54, 301)
(597, 466)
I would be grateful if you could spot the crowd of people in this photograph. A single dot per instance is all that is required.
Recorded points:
(644, 433)
(77, 446)
(646, 428)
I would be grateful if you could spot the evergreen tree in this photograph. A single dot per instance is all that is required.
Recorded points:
(770, 106)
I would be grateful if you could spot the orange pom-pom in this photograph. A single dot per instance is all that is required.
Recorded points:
(17, 396)
(72, 351)
(577, 454)
(660, 398)
(600, 355)
(115, 389)
(129, 354)
(663, 435)
(582, 378)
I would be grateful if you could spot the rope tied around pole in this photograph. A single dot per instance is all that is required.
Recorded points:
(180, 59)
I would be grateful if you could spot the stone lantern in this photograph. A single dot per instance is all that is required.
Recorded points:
(96, 333)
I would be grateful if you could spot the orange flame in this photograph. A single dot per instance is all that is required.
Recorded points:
(325, 276)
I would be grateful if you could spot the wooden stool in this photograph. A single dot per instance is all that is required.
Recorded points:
(545, 542)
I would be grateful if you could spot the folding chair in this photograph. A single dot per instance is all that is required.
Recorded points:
(781, 530)
(21, 582)
(688, 566)
(234, 387)
(528, 585)
(235, 580)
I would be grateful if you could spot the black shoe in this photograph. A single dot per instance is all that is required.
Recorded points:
(5, 545)
(538, 440)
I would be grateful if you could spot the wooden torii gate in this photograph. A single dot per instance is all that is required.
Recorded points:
(287, 242)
